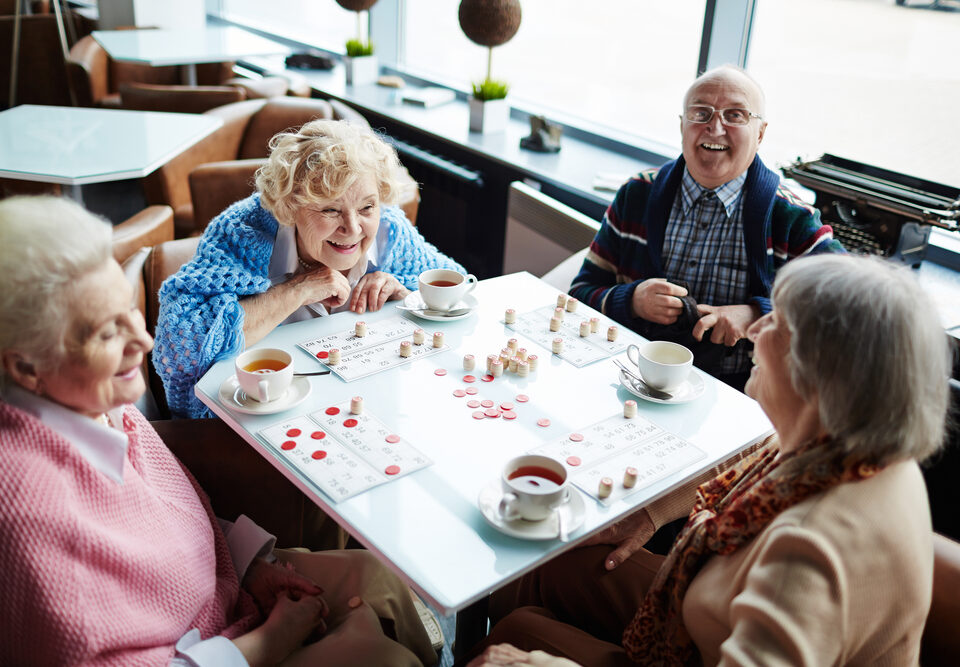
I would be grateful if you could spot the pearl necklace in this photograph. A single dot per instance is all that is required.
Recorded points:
(304, 265)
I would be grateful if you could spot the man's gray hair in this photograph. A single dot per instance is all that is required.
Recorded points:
(868, 342)
(46, 245)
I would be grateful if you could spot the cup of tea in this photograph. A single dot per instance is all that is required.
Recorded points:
(533, 487)
(441, 289)
(264, 374)
(663, 365)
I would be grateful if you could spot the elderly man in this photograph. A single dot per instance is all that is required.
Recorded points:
(710, 228)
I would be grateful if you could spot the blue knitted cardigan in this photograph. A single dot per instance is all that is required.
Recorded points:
(201, 318)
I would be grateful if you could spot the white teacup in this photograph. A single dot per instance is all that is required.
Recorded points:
(441, 289)
(264, 374)
(663, 365)
(533, 487)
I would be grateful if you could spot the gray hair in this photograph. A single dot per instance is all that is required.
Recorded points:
(867, 340)
(320, 162)
(46, 245)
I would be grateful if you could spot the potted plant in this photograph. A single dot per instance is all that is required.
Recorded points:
(489, 23)
(360, 64)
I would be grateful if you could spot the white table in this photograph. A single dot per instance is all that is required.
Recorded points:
(76, 146)
(426, 526)
(185, 46)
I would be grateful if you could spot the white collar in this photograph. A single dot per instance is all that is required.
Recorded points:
(104, 447)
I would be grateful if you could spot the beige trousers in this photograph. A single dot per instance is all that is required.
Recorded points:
(384, 630)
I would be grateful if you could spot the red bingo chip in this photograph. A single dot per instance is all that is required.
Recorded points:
(319, 454)
(350, 423)
(473, 404)
(487, 378)
(322, 354)
(573, 460)
(487, 403)
(576, 437)
(459, 393)
(318, 435)
(293, 433)
(543, 422)
(493, 413)
(288, 445)
(332, 411)
(509, 414)
(392, 439)
(522, 398)
(392, 470)
(440, 372)
(472, 390)
(478, 415)
(507, 405)
(469, 378)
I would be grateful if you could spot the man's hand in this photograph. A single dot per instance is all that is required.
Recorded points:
(657, 300)
(729, 323)
(629, 535)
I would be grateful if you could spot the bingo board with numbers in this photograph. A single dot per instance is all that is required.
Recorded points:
(609, 447)
(578, 350)
(343, 454)
(378, 350)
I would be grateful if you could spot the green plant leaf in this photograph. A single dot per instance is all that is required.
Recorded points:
(356, 48)
(490, 89)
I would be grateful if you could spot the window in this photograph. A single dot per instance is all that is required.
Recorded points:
(321, 23)
(867, 80)
(620, 63)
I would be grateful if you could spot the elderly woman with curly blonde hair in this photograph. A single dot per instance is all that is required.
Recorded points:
(317, 237)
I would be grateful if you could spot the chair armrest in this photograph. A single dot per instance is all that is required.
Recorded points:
(216, 185)
(268, 86)
(147, 228)
(941, 639)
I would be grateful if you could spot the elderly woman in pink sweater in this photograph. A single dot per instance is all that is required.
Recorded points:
(814, 550)
(109, 551)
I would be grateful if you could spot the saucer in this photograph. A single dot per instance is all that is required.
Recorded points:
(548, 529)
(234, 398)
(415, 303)
(690, 390)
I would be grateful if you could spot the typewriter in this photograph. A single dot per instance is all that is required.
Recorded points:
(875, 211)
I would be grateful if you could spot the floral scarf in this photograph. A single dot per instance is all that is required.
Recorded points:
(730, 510)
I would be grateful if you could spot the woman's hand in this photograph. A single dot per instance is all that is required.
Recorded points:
(290, 623)
(629, 535)
(508, 654)
(321, 284)
(374, 290)
(269, 582)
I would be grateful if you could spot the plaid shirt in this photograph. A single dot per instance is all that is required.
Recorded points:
(703, 249)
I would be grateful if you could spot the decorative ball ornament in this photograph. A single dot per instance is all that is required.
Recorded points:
(357, 5)
(489, 22)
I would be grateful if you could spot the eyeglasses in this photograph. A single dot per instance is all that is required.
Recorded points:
(704, 114)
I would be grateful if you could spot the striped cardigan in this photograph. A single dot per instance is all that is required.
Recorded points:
(777, 227)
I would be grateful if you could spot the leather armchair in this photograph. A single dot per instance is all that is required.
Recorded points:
(149, 227)
(940, 646)
(241, 144)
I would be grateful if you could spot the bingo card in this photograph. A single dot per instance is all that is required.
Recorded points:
(578, 350)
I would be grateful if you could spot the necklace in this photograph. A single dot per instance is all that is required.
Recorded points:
(305, 265)
(103, 419)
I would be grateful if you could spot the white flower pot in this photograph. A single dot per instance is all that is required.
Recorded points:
(490, 116)
(362, 70)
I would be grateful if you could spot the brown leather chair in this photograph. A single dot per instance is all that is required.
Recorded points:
(176, 98)
(149, 227)
(41, 72)
(940, 646)
(247, 128)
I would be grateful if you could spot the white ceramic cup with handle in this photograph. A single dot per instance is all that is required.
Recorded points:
(663, 365)
(442, 289)
(534, 486)
(264, 374)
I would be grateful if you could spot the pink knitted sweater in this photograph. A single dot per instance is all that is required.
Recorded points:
(96, 572)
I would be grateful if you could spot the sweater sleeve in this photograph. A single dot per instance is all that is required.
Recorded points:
(201, 318)
(408, 254)
(793, 607)
(598, 283)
